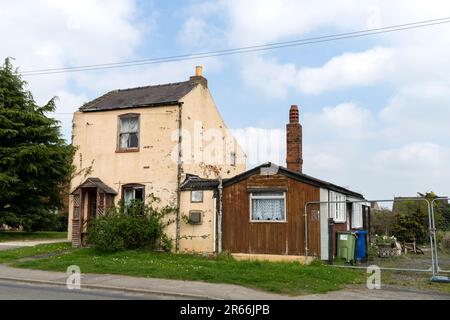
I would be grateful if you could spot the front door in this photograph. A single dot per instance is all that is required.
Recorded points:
(92, 204)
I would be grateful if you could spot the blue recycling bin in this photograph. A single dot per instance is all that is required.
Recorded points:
(361, 245)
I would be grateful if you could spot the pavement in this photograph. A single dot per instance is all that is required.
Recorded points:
(11, 290)
(176, 289)
(15, 281)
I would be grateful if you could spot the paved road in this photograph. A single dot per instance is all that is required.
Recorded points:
(10, 290)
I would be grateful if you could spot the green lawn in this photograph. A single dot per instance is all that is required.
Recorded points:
(286, 278)
(38, 235)
(12, 255)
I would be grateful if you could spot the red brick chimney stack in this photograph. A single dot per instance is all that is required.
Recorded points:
(294, 159)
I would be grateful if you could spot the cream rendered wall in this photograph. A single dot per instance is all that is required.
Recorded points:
(154, 165)
(324, 215)
(199, 106)
(95, 135)
(198, 238)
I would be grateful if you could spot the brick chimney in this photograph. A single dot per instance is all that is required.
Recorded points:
(199, 77)
(294, 160)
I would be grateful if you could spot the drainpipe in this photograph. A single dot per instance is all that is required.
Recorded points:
(219, 217)
(179, 168)
(305, 214)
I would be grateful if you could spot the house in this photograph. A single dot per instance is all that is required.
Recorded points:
(170, 141)
(260, 212)
(140, 141)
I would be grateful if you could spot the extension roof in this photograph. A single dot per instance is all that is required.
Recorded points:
(197, 183)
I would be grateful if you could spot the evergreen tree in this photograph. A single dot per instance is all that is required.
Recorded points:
(34, 159)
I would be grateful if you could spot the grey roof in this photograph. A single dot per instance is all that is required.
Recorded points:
(194, 182)
(95, 183)
(163, 94)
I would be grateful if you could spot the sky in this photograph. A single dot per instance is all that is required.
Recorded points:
(375, 110)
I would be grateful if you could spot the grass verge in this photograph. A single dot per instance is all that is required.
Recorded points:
(280, 277)
(13, 255)
(38, 235)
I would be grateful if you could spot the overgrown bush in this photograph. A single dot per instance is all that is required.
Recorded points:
(443, 240)
(137, 225)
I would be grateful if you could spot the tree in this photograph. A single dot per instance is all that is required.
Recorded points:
(34, 159)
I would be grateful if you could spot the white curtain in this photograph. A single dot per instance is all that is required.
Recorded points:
(268, 208)
(128, 126)
(128, 195)
(357, 215)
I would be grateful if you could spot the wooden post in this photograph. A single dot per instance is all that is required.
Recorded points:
(76, 225)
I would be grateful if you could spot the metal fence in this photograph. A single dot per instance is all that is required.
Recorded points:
(424, 259)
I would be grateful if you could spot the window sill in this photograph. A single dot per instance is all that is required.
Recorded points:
(127, 150)
(340, 221)
(268, 221)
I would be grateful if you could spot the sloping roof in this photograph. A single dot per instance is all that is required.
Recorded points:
(164, 94)
(294, 175)
(95, 183)
(194, 182)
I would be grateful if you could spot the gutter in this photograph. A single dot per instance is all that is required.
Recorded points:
(179, 168)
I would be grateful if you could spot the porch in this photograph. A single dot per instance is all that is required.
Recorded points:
(90, 200)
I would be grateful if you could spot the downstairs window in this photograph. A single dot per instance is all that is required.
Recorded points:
(268, 206)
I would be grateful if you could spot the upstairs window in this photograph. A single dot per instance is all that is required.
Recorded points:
(128, 132)
(268, 206)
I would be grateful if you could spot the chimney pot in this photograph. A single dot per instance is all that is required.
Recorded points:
(293, 114)
(198, 71)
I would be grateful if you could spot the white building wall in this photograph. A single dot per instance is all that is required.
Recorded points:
(324, 224)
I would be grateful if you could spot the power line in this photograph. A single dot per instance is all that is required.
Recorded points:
(240, 50)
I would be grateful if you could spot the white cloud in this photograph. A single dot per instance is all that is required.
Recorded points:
(418, 111)
(346, 121)
(425, 157)
(268, 73)
(347, 70)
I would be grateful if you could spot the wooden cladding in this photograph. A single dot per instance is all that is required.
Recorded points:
(240, 235)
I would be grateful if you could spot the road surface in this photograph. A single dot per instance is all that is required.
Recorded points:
(10, 290)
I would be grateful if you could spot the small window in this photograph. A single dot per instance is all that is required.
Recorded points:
(268, 206)
(128, 132)
(195, 217)
(233, 158)
(197, 196)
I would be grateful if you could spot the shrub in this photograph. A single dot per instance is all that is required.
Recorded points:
(135, 226)
(443, 240)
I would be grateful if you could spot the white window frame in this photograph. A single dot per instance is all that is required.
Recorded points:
(357, 215)
(253, 196)
(338, 210)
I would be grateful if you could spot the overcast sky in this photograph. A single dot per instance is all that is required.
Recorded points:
(375, 110)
